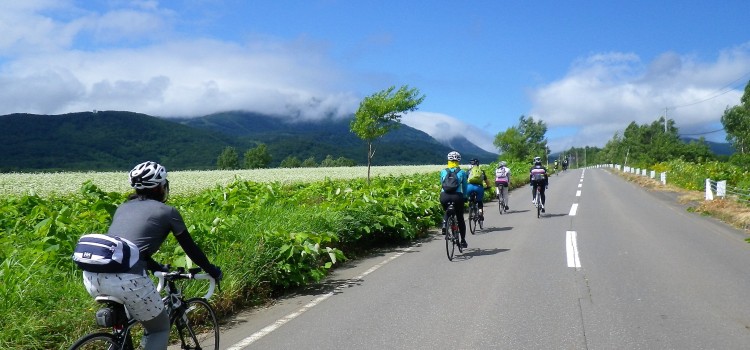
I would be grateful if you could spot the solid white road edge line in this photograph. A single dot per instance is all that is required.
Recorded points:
(571, 246)
(273, 326)
(573, 209)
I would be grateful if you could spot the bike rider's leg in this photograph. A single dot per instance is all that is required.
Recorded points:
(480, 202)
(541, 194)
(156, 332)
(444, 199)
(460, 215)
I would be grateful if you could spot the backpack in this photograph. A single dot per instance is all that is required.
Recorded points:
(475, 176)
(538, 175)
(501, 175)
(450, 181)
(96, 252)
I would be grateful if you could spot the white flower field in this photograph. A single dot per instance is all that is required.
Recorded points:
(192, 181)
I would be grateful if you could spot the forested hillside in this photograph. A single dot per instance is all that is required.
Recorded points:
(112, 140)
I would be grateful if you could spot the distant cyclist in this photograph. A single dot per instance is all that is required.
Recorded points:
(539, 179)
(456, 195)
(565, 163)
(502, 181)
(477, 178)
(556, 163)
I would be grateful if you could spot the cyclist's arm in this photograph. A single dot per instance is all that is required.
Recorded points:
(195, 253)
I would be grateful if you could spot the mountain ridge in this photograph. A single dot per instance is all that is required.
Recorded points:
(116, 140)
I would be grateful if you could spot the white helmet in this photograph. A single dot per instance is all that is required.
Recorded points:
(537, 159)
(453, 155)
(147, 175)
(503, 163)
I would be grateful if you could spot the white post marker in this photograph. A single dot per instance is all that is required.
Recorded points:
(709, 193)
(571, 247)
(721, 188)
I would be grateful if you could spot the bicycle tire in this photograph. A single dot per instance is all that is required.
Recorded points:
(473, 218)
(457, 237)
(450, 244)
(96, 341)
(198, 328)
(538, 204)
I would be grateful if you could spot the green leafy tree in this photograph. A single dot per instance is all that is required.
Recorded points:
(380, 113)
(291, 162)
(309, 163)
(736, 121)
(523, 141)
(258, 157)
(228, 159)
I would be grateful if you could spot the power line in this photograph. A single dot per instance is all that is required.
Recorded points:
(703, 133)
(728, 88)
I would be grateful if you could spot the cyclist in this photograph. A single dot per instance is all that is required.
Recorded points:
(457, 196)
(145, 220)
(565, 164)
(556, 162)
(502, 181)
(477, 178)
(538, 178)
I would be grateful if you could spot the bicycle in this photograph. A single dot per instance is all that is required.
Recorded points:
(452, 232)
(538, 201)
(474, 216)
(194, 319)
(500, 199)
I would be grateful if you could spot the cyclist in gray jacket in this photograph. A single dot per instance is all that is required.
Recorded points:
(146, 221)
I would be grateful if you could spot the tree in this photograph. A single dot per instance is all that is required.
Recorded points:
(258, 157)
(736, 121)
(228, 159)
(290, 162)
(523, 141)
(380, 113)
(309, 163)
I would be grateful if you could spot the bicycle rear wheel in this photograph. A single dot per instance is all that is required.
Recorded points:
(96, 341)
(538, 204)
(197, 328)
(473, 218)
(450, 243)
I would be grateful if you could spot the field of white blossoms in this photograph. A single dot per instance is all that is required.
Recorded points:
(187, 182)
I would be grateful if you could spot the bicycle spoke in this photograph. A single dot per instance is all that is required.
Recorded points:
(198, 328)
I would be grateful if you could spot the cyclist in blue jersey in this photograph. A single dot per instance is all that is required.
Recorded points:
(478, 185)
(457, 195)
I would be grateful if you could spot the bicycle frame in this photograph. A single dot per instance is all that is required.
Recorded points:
(122, 323)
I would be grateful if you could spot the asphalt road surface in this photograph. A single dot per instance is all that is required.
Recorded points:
(608, 266)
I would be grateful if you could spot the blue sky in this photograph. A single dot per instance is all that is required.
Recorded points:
(585, 68)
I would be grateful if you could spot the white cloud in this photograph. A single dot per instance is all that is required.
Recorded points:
(443, 127)
(187, 77)
(604, 93)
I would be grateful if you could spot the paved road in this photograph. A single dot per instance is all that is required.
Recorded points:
(610, 266)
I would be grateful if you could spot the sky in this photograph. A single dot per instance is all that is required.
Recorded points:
(586, 69)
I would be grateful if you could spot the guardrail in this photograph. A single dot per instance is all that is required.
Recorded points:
(713, 188)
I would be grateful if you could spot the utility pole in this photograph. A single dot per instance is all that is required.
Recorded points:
(665, 119)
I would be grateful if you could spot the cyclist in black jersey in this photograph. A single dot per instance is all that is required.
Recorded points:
(146, 221)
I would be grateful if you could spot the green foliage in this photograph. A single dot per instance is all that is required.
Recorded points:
(287, 236)
(228, 159)
(523, 141)
(380, 113)
(736, 121)
(642, 145)
(258, 157)
(290, 162)
(310, 163)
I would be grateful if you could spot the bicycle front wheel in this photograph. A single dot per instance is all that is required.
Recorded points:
(96, 341)
(197, 328)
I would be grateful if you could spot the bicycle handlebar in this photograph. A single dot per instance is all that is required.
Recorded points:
(175, 275)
